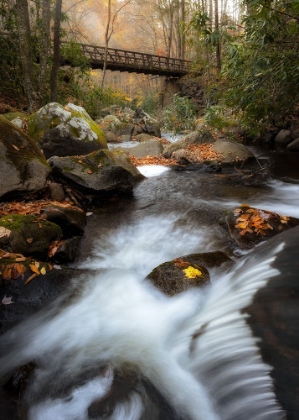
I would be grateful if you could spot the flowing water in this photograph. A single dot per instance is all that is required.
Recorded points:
(195, 349)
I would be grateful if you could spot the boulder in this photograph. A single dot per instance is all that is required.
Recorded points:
(27, 235)
(283, 138)
(71, 220)
(98, 172)
(232, 153)
(65, 131)
(148, 148)
(172, 278)
(196, 137)
(21, 161)
(249, 226)
(29, 296)
(67, 251)
(111, 137)
(294, 145)
(143, 137)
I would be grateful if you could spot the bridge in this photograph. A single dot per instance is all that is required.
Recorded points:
(132, 61)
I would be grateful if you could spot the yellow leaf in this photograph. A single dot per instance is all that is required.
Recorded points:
(43, 271)
(34, 269)
(192, 272)
(242, 225)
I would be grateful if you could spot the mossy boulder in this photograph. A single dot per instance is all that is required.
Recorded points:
(27, 235)
(65, 131)
(98, 172)
(23, 168)
(13, 115)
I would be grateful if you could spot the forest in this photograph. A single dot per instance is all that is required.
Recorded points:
(243, 55)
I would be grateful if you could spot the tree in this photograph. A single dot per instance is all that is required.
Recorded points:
(111, 18)
(26, 53)
(56, 51)
(261, 67)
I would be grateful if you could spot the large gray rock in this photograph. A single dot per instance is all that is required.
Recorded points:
(148, 148)
(232, 152)
(196, 137)
(23, 168)
(101, 171)
(65, 131)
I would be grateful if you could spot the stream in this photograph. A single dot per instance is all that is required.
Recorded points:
(120, 322)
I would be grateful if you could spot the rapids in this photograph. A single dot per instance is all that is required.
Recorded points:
(196, 349)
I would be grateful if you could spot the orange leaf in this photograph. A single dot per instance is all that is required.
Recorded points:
(31, 278)
(89, 171)
(34, 269)
(29, 240)
(7, 273)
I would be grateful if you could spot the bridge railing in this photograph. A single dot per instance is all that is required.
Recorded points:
(135, 60)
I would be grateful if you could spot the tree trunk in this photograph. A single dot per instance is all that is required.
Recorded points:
(26, 53)
(56, 51)
(45, 46)
(107, 38)
(218, 44)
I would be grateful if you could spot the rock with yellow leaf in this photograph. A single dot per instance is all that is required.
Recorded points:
(249, 226)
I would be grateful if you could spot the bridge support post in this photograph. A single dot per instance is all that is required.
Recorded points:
(169, 87)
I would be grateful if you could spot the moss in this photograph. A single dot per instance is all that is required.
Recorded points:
(12, 115)
(17, 222)
(39, 123)
(19, 147)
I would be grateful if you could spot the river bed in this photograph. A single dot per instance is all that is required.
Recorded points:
(120, 319)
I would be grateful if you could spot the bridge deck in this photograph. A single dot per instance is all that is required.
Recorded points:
(137, 62)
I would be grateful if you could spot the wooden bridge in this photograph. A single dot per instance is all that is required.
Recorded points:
(132, 61)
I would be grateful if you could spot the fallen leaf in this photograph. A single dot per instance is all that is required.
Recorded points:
(80, 161)
(4, 232)
(17, 270)
(31, 278)
(29, 240)
(192, 272)
(89, 171)
(34, 269)
(19, 259)
(6, 273)
(43, 271)
(7, 300)
(15, 147)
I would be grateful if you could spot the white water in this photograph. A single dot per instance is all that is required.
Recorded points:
(122, 318)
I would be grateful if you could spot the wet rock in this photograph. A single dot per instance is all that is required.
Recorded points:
(28, 235)
(98, 172)
(28, 298)
(196, 137)
(65, 131)
(249, 226)
(148, 148)
(71, 220)
(68, 250)
(273, 317)
(176, 276)
(293, 146)
(56, 192)
(21, 161)
(283, 138)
